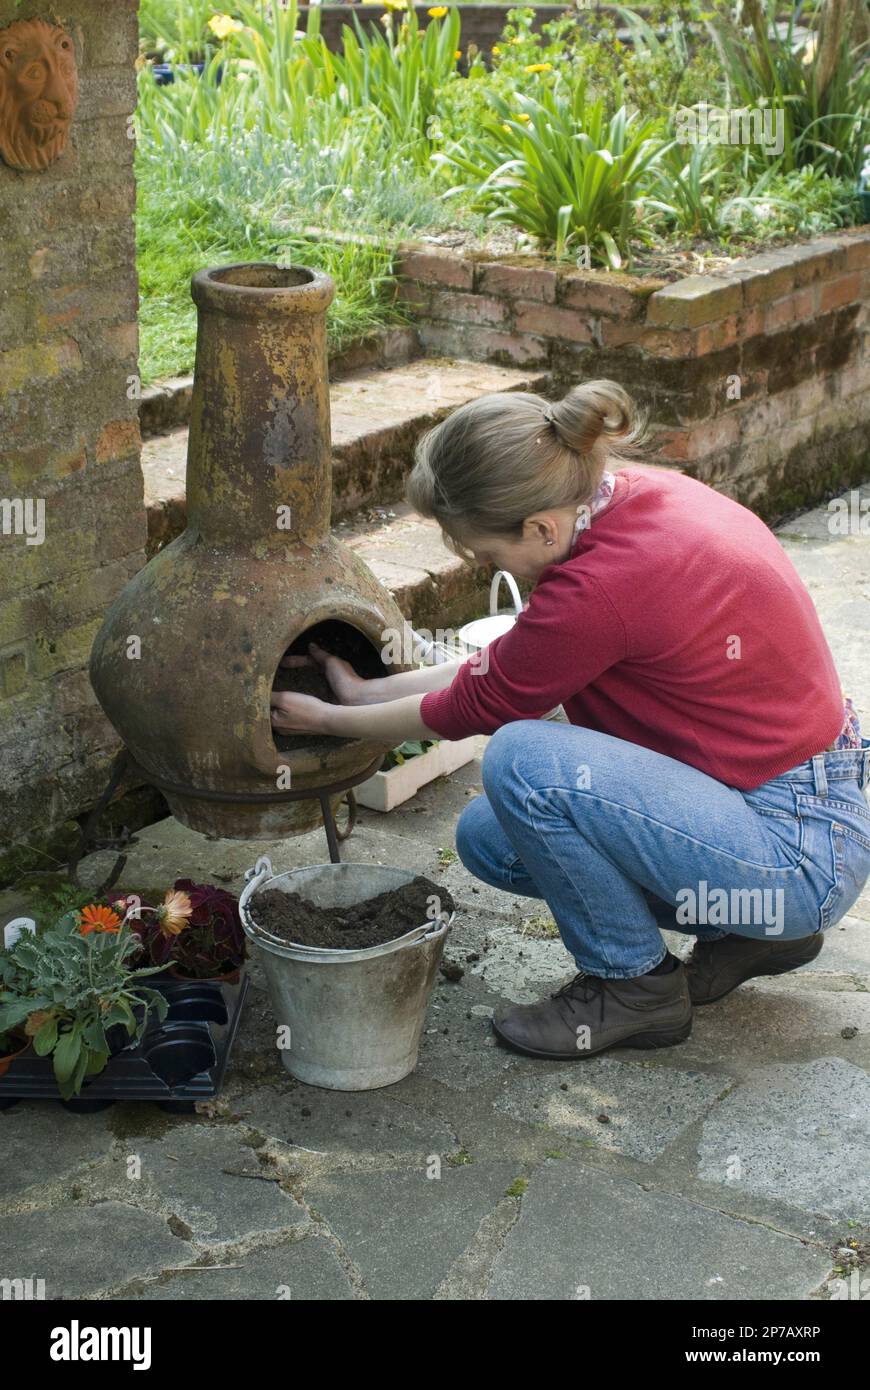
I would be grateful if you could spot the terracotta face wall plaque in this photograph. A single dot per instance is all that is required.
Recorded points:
(38, 93)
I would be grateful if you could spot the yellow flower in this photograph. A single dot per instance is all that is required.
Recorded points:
(538, 67)
(396, 4)
(524, 116)
(496, 50)
(222, 25)
(437, 12)
(174, 911)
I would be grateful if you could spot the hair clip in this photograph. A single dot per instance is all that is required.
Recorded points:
(548, 416)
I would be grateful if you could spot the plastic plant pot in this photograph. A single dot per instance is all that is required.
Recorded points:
(176, 1052)
(7, 1059)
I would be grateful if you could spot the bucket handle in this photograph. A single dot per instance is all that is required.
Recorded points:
(494, 588)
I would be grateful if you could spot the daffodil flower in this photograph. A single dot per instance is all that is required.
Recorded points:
(222, 25)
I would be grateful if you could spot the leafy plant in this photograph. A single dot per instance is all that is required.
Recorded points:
(211, 942)
(411, 748)
(71, 986)
(815, 70)
(560, 168)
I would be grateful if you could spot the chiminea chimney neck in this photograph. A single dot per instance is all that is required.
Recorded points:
(262, 290)
(259, 462)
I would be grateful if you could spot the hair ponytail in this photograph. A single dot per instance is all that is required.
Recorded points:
(501, 458)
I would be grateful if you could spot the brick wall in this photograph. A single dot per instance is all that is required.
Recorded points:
(69, 435)
(757, 380)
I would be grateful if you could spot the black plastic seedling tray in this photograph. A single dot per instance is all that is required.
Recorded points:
(178, 1061)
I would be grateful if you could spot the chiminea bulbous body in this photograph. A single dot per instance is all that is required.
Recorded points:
(185, 662)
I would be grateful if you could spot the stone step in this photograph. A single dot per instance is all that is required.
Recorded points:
(377, 417)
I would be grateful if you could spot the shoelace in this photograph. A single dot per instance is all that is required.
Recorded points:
(590, 985)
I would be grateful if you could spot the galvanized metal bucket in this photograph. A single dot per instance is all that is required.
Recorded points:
(351, 1019)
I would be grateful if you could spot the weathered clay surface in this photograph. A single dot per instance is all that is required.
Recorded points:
(216, 610)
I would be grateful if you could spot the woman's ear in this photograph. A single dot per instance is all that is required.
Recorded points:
(541, 528)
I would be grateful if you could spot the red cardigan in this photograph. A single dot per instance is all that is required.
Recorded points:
(677, 622)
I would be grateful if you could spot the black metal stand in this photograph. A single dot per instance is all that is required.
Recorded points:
(124, 762)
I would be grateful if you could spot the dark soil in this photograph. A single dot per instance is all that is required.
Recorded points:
(383, 918)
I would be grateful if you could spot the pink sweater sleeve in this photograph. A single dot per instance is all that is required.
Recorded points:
(566, 636)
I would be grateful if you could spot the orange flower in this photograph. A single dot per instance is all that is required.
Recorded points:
(174, 911)
(96, 918)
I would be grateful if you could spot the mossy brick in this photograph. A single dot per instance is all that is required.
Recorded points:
(435, 268)
(515, 281)
(117, 439)
(23, 468)
(548, 320)
(846, 289)
(106, 93)
(817, 260)
(837, 352)
(857, 250)
(616, 333)
(712, 337)
(767, 277)
(621, 297)
(467, 308)
(678, 343)
(100, 204)
(68, 650)
(105, 147)
(26, 367)
(110, 35)
(694, 300)
(787, 372)
(14, 675)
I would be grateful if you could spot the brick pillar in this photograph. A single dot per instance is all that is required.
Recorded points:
(69, 433)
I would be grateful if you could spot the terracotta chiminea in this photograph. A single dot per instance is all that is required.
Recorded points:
(189, 653)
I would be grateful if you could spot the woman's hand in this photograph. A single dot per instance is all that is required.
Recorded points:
(292, 713)
(343, 680)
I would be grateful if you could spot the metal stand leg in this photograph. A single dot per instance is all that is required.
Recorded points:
(331, 832)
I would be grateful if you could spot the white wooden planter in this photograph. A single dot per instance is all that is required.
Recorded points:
(385, 790)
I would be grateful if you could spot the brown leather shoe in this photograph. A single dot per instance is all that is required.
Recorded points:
(716, 967)
(590, 1014)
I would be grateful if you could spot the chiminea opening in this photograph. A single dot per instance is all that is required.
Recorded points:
(340, 639)
(263, 277)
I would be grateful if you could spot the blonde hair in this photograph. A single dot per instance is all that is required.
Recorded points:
(501, 458)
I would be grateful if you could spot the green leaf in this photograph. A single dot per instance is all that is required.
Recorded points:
(45, 1037)
(67, 1054)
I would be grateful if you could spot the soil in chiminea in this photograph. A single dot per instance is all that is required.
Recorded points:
(383, 918)
(339, 639)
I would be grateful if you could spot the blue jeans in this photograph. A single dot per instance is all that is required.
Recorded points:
(620, 841)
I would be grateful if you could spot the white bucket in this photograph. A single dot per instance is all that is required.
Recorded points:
(478, 634)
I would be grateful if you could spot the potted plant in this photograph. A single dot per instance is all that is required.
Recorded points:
(209, 944)
(409, 767)
(12, 1044)
(77, 995)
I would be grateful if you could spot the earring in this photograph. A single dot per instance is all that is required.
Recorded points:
(550, 542)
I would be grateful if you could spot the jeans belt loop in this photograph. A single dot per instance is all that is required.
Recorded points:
(820, 777)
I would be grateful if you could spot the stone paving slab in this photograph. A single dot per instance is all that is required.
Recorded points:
(584, 1235)
(404, 1230)
(32, 1156)
(240, 1198)
(308, 1270)
(633, 1108)
(799, 1132)
(81, 1250)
